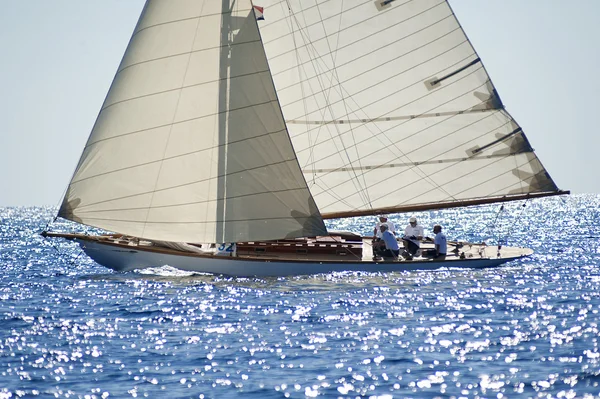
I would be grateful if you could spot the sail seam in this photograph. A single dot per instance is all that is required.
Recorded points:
(179, 155)
(501, 158)
(183, 20)
(451, 197)
(375, 50)
(395, 59)
(191, 203)
(180, 88)
(175, 123)
(166, 145)
(388, 79)
(182, 54)
(193, 119)
(191, 183)
(187, 153)
(496, 176)
(395, 143)
(402, 123)
(317, 56)
(431, 174)
(350, 26)
(400, 107)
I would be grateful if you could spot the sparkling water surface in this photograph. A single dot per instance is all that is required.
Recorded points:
(70, 328)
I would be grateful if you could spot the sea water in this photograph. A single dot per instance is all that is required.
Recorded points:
(70, 328)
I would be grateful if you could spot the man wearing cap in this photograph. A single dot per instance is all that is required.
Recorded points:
(413, 233)
(383, 219)
(387, 247)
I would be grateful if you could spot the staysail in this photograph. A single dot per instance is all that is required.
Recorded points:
(390, 108)
(190, 144)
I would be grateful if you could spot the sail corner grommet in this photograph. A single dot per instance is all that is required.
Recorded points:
(383, 4)
(432, 83)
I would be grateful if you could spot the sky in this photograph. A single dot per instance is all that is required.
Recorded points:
(58, 58)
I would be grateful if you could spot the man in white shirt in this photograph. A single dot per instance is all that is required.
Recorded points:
(413, 234)
(387, 247)
(383, 219)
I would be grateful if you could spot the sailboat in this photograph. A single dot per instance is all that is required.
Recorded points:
(232, 130)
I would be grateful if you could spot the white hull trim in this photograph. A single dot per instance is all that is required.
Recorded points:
(124, 259)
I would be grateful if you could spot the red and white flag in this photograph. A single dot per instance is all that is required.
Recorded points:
(258, 11)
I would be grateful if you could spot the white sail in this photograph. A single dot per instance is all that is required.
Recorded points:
(190, 144)
(389, 107)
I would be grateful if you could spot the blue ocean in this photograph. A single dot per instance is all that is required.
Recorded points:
(70, 328)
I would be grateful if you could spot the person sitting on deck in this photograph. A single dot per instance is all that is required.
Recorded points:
(441, 246)
(383, 219)
(413, 233)
(388, 246)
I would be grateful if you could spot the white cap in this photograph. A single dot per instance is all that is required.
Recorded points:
(383, 216)
(412, 219)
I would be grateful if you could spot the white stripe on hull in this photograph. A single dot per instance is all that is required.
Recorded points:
(124, 259)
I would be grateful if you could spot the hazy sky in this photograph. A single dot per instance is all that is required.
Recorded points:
(59, 58)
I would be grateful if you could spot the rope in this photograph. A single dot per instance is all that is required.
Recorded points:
(502, 241)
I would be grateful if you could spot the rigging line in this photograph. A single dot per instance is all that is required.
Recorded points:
(171, 126)
(512, 225)
(362, 73)
(364, 20)
(406, 121)
(213, 178)
(379, 48)
(281, 2)
(413, 135)
(326, 189)
(419, 171)
(493, 226)
(435, 185)
(391, 60)
(297, 53)
(335, 74)
(476, 185)
(432, 174)
(62, 255)
(177, 156)
(316, 65)
(382, 116)
(423, 175)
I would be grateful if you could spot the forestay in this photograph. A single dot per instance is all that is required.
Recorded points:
(389, 107)
(190, 144)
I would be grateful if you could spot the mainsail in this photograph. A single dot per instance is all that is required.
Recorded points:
(190, 144)
(390, 108)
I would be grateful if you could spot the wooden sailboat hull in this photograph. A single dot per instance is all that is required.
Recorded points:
(124, 258)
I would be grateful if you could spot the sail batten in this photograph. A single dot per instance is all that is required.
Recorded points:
(390, 107)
